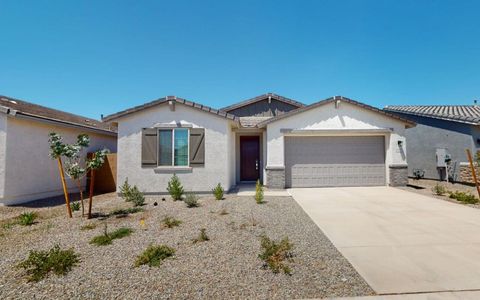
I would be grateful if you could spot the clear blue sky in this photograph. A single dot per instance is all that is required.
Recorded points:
(94, 57)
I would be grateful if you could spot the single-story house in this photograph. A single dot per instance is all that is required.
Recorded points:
(26, 171)
(442, 131)
(282, 142)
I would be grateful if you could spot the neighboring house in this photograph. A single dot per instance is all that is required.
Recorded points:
(334, 142)
(26, 171)
(441, 130)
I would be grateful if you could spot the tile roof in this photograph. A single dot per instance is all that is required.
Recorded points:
(165, 100)
(19, 107)
(252, 122)
(330, 100)
(469, 114)
(260, 98)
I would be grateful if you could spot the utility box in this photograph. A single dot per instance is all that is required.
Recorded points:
(443, 157)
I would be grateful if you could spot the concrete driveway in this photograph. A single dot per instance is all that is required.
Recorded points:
(399, 241)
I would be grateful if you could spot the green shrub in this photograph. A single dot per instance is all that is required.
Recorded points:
(106, 238)
(259, 193)
(136, 197)
(154, 255)
(171, 222)
(27, 218)
(75, 206)
(202, 237)
(175, 188)
(275, 254)
(191, 200)
(439, 190)
(88, 226)
(218, 192)
(40, 263)
(126, 211)
(463, 197)
(125, 190)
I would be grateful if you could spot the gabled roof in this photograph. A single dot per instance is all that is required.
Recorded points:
(260, 98)
(469, 114)
(18, 107)
(330, 100)
(165, 100)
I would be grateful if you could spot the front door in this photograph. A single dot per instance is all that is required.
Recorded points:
(249, 158)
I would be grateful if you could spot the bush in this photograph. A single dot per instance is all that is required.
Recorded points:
(125, 190)
(175, 188)
(463, 197)
(75, 206)
(40, 263)
(136, 197)
(202, 237)
(275, 254)
(126, 211)
(218, 192)
(439, 190)
(154, 255)
(27, 218)
(107, 238)
(259, 193)
(191, 200)
(171, 222)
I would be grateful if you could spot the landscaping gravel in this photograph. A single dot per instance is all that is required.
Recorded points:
(227, 266)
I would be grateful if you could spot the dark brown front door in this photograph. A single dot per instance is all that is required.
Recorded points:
(249, 158)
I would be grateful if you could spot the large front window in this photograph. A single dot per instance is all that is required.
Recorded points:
(173, 147)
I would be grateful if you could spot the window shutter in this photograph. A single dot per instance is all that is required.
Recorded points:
(149, 147)
(197, 147)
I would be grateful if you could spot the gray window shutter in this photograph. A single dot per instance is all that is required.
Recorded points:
(149, 147)
(197, 147)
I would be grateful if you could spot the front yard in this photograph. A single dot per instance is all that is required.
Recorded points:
(224, 266)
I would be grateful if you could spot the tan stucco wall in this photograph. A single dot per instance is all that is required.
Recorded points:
(30, 174)
(219, 145)
(347, 116)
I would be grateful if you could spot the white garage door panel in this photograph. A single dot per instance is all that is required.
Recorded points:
(334, 161)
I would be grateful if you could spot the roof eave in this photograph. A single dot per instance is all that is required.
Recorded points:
(260, 98)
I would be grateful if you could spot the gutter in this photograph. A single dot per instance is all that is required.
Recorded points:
(4, 109)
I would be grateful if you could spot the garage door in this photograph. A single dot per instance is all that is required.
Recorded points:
(334, 161)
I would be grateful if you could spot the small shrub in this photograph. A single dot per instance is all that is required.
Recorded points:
(191, 200)
(259, 193)
(75, 206)
(136, 197)
(175, 188)
(40, 263)
(27, 218)
(463, 197)
(154, 255)
(126, 211)
(88, 226)
(125, 190)
(106, 238)
(275, 254)
(223, 212)
(439, 190)
(218, 192)
(171, 222)
(202, 237)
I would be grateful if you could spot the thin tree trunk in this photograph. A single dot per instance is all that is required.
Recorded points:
(64, 185)
(90, 201)
(79, 184)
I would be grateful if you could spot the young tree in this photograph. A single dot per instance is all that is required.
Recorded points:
(93, 164)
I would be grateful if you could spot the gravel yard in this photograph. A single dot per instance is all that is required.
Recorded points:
(226, 266)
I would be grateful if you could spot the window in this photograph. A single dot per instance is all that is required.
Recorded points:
(173, 147)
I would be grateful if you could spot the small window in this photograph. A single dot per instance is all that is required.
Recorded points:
(173, 147)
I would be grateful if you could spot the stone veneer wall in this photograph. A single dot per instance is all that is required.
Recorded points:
(465, 173)
(398, 175)
(275, 177)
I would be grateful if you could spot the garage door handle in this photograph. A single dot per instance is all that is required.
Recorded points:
(256, 164)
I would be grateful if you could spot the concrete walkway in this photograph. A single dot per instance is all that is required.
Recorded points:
(400, 242)
(467, 295)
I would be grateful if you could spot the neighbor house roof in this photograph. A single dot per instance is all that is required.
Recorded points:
(260, 98)
(330, 100)
(166, 100)
(16, 107)
(469, 114)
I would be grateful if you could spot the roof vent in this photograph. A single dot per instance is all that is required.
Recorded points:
(11, 101)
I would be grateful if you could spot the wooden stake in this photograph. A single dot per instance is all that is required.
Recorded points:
(472, 167)
(64, 185)
(90, 201)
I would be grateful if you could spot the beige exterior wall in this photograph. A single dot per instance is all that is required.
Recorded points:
(3, 138)
(347, 116)
(219, 150)
(30, 174)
